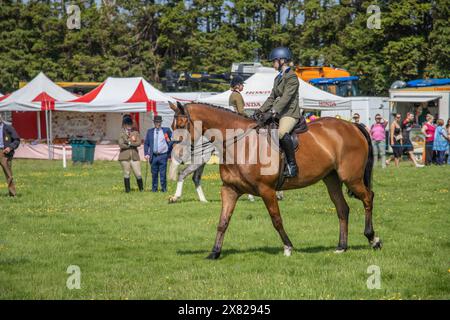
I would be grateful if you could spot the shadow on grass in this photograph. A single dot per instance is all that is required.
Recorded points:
(13, 261)
(181, 201)
(273, 250)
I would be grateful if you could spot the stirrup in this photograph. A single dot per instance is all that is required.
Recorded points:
(288, 172)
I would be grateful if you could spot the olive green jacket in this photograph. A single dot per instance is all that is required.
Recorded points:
(128, 148)
(237, 102)
(284, 96)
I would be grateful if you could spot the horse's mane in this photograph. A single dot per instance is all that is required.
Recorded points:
(221, 109)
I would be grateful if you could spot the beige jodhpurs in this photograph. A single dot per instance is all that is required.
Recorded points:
(286, 126)
(127, 166)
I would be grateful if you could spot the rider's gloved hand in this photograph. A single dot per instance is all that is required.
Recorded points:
(275, 115)
(257, 115)
(266, 117)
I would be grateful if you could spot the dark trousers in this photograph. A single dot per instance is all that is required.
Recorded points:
(6, 164)
(440, 157)
(159, 166)
(428, 152)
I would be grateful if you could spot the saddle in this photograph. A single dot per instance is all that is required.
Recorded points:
(270, 123)
(273, 123)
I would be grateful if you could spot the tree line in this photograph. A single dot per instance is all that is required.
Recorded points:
(145, 37)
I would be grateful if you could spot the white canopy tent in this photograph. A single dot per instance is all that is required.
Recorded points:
(121, 95)
(40, 94)
(257, 89)
(113, 96)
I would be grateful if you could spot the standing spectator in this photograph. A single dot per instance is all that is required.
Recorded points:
(440, 144)
(395, 139)
(236, 101)
(129, 141)
(357, 118)
(157, 149)
(423, 116)
(448, 135)
(408, 148)
(378, 134)
(428, 130)
(9, 141)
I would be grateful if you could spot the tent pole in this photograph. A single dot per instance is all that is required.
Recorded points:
(39, 125)
(351, 110)
(47, 133)
(51, 134)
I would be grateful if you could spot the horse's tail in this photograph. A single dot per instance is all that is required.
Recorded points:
(370, 159)
(369, 165)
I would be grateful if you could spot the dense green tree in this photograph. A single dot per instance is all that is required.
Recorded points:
(146, 37)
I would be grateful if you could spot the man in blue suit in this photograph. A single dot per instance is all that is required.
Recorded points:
(157, 149)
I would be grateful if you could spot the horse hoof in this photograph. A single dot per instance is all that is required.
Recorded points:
(376, 243)
(340, 250)
(213, 256)
(172, 199)
(287, 251)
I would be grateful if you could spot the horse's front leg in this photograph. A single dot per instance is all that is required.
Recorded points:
(181, 177)
(229, 199)
(270, 200)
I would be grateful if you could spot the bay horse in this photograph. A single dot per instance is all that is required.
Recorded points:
(333, 150)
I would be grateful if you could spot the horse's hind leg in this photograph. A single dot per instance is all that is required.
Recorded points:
(229, 199)
(366, 196)
(271, 202)
(334, 186)
(196, 178)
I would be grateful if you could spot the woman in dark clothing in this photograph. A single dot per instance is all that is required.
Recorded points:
(396, 140)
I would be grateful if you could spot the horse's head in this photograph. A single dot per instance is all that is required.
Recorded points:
(180, 126)
(181, 118)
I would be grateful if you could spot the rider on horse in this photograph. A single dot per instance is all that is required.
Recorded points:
(282, 104)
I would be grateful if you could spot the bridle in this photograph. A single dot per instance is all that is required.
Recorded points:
(185, 115)
(187, 127)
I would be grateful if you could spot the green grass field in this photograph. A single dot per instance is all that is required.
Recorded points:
(137, 246)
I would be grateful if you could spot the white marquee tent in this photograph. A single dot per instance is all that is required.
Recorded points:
(39, 94)
(113, 97)
(122, 95)
(258, 87)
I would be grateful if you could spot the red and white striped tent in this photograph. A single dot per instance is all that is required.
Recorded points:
(39, 94)
(122, 95)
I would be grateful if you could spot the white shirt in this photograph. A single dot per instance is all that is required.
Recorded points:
(159, 142)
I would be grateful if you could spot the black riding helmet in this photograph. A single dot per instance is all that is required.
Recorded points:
(280, 53)
(236, 81)
(127, 120)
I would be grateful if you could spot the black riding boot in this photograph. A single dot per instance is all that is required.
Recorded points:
(140, 184)
(288, 147)
(126, 181)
